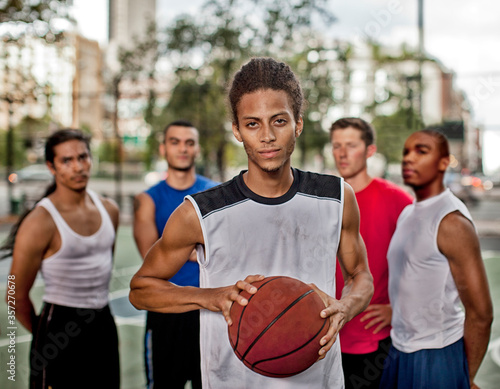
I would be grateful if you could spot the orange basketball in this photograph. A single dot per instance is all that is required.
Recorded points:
(277, 333)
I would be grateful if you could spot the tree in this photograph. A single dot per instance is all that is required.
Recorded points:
(392, 131)
(206, 51)
(24, 20)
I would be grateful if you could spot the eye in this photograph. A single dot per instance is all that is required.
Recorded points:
(251, 124)
(280, 121)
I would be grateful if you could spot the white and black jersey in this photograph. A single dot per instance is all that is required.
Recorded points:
(294, 235)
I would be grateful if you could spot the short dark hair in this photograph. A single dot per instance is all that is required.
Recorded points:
(367, 130)
(180, 123)
(441, 140)
(61, 136)
(265, 73)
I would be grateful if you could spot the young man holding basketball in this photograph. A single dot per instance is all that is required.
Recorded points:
(270, 220)
(435, 268)
(365, 340)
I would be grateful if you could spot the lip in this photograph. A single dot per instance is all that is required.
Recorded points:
(407, 173)
(269, 153)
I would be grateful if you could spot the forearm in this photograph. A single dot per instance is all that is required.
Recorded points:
(162, 296)
(25, 312)
(476, 338)
(357, 293)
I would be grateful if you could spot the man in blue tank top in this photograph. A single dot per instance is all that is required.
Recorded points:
(172, 350)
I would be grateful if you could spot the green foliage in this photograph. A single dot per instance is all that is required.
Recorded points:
(392, 132)
(34, 17)
(208, 49)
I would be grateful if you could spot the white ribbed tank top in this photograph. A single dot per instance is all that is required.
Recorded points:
(78, 274)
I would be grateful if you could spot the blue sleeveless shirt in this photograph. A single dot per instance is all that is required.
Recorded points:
(166, 200)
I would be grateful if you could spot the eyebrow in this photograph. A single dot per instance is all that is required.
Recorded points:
(285, 113)
(423, 146)
(170, 138)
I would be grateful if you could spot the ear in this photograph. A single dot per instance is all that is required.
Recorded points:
(50, 165)
(370, 150)
(299, 127)
(444, 162)
(161, 149)
(236, 132)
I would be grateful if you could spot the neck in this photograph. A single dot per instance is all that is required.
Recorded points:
(269, 184)
(360, 181)
(69, 197)
(181, 179)
(428, 191)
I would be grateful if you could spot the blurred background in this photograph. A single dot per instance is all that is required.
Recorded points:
(121, 70)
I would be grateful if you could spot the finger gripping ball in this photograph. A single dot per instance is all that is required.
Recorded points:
(277, 333)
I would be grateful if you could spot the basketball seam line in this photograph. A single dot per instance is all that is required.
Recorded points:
(276, 319)
(254, 365)
(245, 307)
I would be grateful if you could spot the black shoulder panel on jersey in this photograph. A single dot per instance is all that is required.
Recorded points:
(319, 185)
(221, 196)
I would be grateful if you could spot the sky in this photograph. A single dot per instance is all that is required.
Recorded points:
(463, 35)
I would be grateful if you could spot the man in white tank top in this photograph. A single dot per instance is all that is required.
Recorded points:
(69, 236)
(435, 267)
(298, 222)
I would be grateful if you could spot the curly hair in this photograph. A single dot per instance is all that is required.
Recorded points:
(265, 73)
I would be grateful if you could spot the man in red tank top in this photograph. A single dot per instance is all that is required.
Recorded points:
(365, 339)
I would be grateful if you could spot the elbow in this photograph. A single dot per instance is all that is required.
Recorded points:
(482, 320)
(133, 295)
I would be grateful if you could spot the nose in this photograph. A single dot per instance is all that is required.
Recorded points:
(78, 165)
(267, 134)
(407, 157)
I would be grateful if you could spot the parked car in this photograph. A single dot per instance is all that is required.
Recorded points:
(32, 173)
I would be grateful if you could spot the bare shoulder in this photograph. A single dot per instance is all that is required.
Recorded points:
(351, 210)
(37, 226)
(457, 236)
(143, 202)
(184, 221)
(456, 223)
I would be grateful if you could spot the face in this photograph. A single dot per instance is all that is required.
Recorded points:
(423, 163)
(72, 164)
(267, 129)
(350, 151)
(180, 147)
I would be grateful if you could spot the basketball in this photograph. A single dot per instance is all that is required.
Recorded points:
(277, 333)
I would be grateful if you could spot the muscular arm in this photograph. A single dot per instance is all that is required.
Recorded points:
(150, 288)
(32, 244)
(358, 281)
(145, 232)
(458, 241)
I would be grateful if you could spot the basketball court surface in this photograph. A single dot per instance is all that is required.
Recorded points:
(130, 322)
